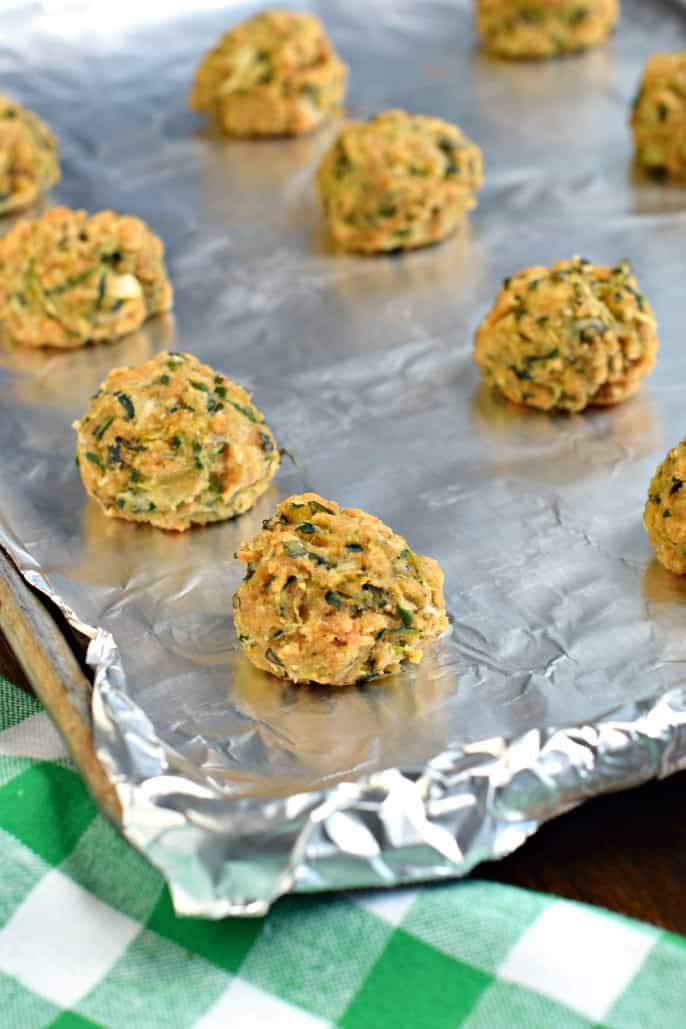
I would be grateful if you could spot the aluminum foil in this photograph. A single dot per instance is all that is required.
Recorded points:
(563, 674)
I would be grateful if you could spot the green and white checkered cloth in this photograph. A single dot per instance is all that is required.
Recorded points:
(88, 937)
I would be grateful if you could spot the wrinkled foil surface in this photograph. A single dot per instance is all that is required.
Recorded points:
(563, 674)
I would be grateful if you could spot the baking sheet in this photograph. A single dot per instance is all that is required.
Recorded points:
(241, 788)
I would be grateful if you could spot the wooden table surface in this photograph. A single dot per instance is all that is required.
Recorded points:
(625, 851)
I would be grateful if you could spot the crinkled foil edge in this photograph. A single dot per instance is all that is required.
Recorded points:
(467, 805)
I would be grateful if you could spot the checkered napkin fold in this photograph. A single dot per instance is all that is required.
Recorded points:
(88, 937)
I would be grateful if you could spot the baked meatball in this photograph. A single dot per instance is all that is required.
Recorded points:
(398, 181)
(68, 278)
(659, 117)
(544, 28)
(664, 516)
(28, 156)
(568, 336)
(174, 443)
(332, 595)
(276, 74)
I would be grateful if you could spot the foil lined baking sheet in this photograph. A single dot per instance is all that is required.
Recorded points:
(563, 673)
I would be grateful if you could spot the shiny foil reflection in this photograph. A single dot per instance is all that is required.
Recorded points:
(562, 674)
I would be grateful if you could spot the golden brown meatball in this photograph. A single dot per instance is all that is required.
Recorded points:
(174, 443)
(276, 74)
(665, 511)
(332, 595)
(67, 278)
(544, 28)
(568, 336)
(398, 181)
(659, 117)
(28, 156)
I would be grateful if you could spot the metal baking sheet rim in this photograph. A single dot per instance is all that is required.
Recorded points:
(517, 784)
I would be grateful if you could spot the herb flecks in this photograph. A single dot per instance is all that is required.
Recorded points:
(405, 617)
(342, 163)
(521, 373)
(71, 283)
(94, 459)
(294, 548)
(377, 596)
(534, 358)
(247, 411)
(319, 559)
(100, 430)
(317, 508)
(578, 15)
(126, 402)
(266, 442)
(102, 285)
(447, 146)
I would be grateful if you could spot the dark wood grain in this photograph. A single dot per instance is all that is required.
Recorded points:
(625, 851)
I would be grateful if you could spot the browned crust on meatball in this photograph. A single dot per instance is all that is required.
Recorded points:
(275, 74)
(398, 181)
(28, 156)
(173, 443)
(68, 278)
(664, 516)
(658, 118)
(331, 595)
(568, 336)
(523, 29)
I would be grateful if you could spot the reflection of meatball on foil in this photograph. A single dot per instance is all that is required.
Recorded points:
(665, 511)
(173, 443)
(28, 156)
(568, 336)
(332, 595)
(659, 117)
(276, 74)
(544, 28)
(67, 278)
(398, 181)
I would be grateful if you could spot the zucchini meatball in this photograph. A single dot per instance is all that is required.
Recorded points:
(544, 28)
(659, 117)
(665, 511)
(332, 595)
(398, 181)
(276, 74)
(28, 156)
(67, 279)
(174, 443)
(568, 336)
